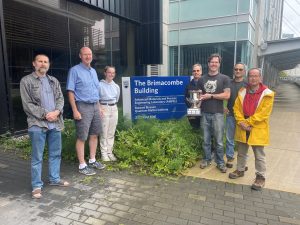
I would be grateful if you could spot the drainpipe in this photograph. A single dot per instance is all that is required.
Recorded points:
(179, 58)
(257, 32)
(236, 30)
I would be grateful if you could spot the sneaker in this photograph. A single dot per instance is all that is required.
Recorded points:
(87, 171)
(97, 165)
(112, 157)
(259, 183)
(204, 164)
(229, 163)
(105, 158)
(222, 168)
(236, 174)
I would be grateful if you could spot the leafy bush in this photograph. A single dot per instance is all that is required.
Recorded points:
(16, 143)
(158, 147)
(68, 136)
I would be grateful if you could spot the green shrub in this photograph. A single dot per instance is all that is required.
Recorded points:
(21, 145)
(158, 147)
(68, 136)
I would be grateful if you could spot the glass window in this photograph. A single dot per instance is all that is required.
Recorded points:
(212, 34)
(251, 36)
(115, 44)
(244, 6)
(242, 31)
(173, 61)
(196, 10)
(94, 2)
(115, 24)
(244, 52)
(173, 12)
(191, 54)
(60, 34)
(106, 4)
(173, 37)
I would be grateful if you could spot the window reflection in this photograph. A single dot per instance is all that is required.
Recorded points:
(59, 28)
(191, 54)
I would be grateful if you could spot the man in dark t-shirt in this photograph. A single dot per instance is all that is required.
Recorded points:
(215, 89)
(235, 85)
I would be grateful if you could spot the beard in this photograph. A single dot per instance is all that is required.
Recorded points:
(42, 70)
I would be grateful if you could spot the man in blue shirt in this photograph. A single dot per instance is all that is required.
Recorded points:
(83, 93)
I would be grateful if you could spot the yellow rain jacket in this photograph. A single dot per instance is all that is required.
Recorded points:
(259, 121)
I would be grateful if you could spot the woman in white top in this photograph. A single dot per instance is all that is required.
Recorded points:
(109, 96)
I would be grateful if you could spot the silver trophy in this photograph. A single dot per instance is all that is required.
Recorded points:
(195, 100)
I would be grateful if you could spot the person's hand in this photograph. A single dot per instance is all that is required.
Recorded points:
(245, 126)
(76, 115)
(249, 128)
(52, 116)
(226, 111)
(205, 96)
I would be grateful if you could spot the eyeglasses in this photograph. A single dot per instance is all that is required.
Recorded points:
(196, 70)
(238, 69)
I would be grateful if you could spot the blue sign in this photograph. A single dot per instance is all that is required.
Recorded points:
(158, 97)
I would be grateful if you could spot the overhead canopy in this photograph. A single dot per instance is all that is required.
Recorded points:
(282, 54)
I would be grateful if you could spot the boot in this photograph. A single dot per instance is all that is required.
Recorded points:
(259, 182)
(236, 174)
(229, 163)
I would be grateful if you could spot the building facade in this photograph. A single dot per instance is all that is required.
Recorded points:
(235, 29)
(123, 33)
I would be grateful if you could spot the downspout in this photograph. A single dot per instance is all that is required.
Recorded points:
(179, 58)
(236, 30)
(257, 31)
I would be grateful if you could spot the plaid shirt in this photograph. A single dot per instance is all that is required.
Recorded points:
(30, 88)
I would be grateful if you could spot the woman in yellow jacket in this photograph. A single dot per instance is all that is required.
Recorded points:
(252, 110)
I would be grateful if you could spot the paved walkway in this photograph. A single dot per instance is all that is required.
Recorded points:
(114, 198)
(283, 154)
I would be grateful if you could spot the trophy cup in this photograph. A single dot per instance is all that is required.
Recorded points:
(195, 100)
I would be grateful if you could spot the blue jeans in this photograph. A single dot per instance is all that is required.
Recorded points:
(230, 130)
(213, 123)
(38, 141)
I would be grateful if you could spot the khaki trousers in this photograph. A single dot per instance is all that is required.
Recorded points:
(259, 154)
